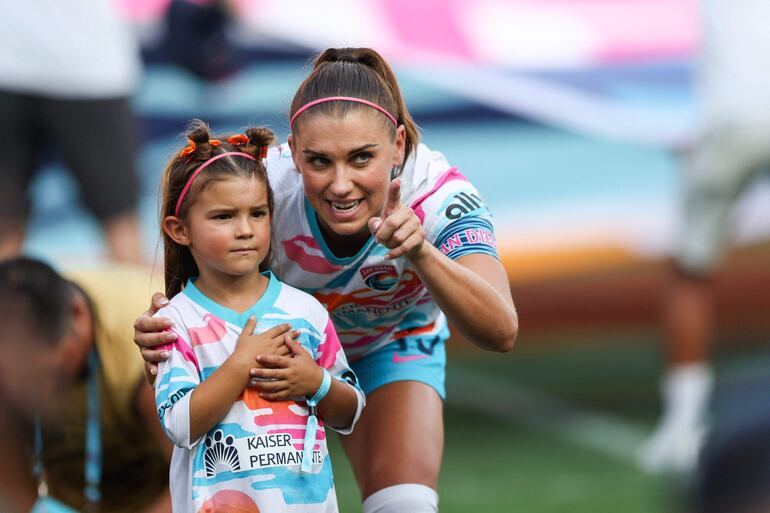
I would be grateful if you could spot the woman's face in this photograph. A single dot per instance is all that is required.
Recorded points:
(345, 165)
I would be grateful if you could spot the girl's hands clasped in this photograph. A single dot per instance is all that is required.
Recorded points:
(250, 346)
(290, 377)
(398, 228)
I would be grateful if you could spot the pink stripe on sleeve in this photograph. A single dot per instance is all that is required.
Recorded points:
(329, 347)
(451, 174)
(183, 348)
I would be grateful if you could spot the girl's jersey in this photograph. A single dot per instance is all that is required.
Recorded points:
(250, 461)
(374, 301)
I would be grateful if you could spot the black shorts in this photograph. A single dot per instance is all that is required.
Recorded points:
(96, 140)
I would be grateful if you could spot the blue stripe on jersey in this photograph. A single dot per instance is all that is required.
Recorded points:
(312, 221)
(469, 234)
(169, 393)
(296, 487)
(258, 309)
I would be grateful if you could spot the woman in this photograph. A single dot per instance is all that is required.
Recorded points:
(393, 241)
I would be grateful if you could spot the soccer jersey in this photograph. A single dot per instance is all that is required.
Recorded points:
(250, 461)
(374, 301)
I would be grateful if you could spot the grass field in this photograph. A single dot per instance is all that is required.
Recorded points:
(553, 427)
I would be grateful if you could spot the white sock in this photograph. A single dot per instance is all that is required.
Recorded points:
(686, 394)
(674, 446)
(402, 498)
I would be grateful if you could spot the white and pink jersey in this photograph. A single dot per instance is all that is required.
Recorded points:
(249, 461)
(374, 301)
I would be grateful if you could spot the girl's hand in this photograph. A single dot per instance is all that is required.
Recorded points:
(398, 228)
(294, 376)
(272, 342)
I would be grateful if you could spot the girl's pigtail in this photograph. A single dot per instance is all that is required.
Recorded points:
(201, 145)
(259, 140)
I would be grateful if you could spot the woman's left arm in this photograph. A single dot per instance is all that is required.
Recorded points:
(473, 290)
(474, 293)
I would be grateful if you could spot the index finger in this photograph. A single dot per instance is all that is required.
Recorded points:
(272, 361)
(251, 325)
(393, 201)
(277, 331)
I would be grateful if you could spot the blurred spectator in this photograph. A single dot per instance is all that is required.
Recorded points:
(77, 418)
(196, 38)
(734, 471)
(732, 148)
(67, 70)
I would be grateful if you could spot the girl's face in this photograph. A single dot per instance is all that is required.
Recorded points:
(346, 165)
(227, 228)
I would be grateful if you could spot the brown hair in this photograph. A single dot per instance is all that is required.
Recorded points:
(33, 292)
(360, 73)
(178, 260)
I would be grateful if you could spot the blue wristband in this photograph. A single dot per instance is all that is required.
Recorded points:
(312, 421)
(323, 389)
(50, 505)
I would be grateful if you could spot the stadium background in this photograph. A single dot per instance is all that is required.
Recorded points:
(569, 116)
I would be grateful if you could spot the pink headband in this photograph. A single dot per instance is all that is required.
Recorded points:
(341, 98)
(201, 168)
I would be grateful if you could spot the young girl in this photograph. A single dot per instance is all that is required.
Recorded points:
(237, 449)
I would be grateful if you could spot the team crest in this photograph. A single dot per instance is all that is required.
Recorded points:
(380, 277)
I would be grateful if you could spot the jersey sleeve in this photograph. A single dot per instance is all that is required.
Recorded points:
(455, 217)
(330, 356)
(177, 377)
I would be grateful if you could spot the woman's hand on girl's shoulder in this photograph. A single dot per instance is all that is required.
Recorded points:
(150, 332)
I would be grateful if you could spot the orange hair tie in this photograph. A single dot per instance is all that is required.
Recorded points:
(237, 139)
(191, 147)
(188, 149)
(264, 152)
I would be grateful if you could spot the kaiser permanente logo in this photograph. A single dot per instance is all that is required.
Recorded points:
(466, 203)
(225, 453)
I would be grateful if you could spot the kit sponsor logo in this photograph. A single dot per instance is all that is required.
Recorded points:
(465, 203)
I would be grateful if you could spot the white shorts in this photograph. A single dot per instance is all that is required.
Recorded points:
(725, 161)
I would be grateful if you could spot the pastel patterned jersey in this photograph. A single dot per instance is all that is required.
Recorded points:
(374, 301)
(250, 461)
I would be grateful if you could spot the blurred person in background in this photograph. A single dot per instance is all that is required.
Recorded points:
(732, 148)
(733, 474)
(67, 70)
(78, 426)
(384, 232)
(196, 38)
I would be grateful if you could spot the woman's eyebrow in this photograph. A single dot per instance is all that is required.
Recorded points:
(362, 148)
(310, 151)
